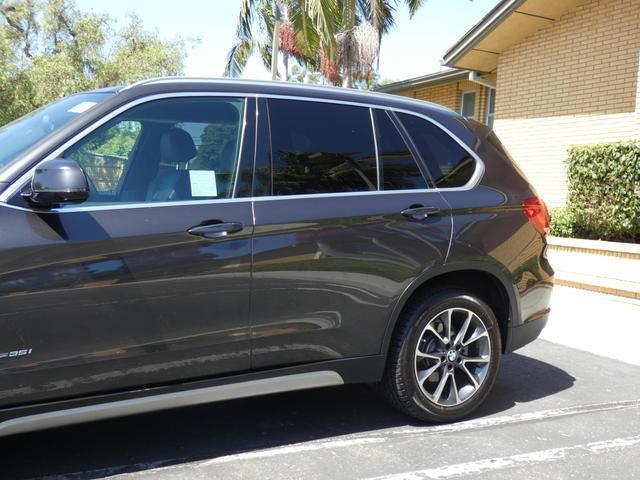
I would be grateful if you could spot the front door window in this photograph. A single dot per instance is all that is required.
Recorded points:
(168, 150)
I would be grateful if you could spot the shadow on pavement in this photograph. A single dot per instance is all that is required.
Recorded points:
(524, 379)
(204, 432)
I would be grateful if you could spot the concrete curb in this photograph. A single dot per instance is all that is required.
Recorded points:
(630, 250)
(600, 266)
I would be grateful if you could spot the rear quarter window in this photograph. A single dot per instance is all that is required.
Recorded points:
(450, 165)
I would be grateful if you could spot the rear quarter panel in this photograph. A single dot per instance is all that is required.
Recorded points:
(489, 224)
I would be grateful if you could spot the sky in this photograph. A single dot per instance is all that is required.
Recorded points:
(413, 48)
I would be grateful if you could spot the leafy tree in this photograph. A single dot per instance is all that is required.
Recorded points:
(49, 49)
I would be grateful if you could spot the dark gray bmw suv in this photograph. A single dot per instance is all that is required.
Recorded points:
(182, 241)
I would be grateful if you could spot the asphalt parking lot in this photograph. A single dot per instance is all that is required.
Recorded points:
(555, 412)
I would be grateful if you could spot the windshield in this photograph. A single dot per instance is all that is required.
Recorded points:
(17, 136)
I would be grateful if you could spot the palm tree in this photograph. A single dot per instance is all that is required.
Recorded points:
(254, 14)
(364, 24)
(341, 37)
(312, 23)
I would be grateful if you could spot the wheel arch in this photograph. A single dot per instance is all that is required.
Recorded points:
(490, 282)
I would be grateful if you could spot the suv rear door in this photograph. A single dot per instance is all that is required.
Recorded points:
(333, 250)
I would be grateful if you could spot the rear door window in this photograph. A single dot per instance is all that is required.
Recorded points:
(398, 168)
(450, 165)
(321, 148)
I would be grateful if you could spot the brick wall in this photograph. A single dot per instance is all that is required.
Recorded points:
(450, 95)
(572, 82)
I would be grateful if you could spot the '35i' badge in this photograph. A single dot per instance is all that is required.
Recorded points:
(16, 353)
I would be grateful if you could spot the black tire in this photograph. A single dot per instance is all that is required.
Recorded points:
(400, 385)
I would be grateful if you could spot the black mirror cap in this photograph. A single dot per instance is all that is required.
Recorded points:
(58, 181)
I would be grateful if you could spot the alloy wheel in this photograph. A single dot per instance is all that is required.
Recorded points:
(452, 357)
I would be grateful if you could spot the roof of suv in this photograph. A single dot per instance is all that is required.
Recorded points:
(172, 84)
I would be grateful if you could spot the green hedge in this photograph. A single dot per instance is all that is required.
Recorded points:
(604, 193)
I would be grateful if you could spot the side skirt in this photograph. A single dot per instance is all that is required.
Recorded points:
(28, 418)
(164, 401)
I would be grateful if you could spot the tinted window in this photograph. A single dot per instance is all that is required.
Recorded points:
(321, 148)
(398, 168)
(106, 155)
(166, 150)
(450, 165)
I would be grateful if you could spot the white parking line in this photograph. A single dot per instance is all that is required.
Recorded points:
(504, 420)
(383, 436)
(295, 448)
(386, 435)
(523, 459)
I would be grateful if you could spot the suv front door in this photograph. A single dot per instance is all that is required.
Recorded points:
(148, 281)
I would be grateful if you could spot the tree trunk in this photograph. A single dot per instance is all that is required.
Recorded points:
(349, 61)
(275, 46)
(285, 59)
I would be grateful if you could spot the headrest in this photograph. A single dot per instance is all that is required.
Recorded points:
(176, 146)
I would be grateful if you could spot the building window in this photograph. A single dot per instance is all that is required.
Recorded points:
(491, 107)
(468, 104)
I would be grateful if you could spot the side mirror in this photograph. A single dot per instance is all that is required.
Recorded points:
(56, 181)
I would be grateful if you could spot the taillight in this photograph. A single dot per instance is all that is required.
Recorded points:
(536, 211)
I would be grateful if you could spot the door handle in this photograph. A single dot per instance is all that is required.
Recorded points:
(215, 230)
(419, 212)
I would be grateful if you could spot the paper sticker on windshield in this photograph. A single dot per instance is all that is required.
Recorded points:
(203, 183)
(82, 107)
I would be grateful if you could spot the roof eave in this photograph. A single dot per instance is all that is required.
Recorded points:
(430, 79)
(479, 31)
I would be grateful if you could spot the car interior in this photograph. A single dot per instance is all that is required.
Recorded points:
(165, 150)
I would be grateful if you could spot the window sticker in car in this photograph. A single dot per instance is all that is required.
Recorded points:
(203, 183)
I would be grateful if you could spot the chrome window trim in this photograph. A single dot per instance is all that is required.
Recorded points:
(17, 185)
(255, 155)
(239, 155)
(480, 167)
(138, 205)
(375, 147)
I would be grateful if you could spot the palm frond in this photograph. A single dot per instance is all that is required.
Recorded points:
(379, 13)
(307, 36)
(245, 19)
(414, 5)
(264, 48)
(326, 17)
(237, 58)
(266, 19)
